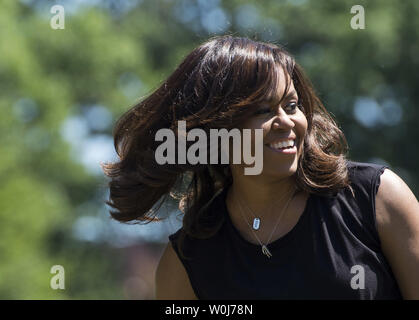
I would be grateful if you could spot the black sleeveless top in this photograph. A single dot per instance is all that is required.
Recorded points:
(333, 252)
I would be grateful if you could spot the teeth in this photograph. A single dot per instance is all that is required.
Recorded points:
(284, 144)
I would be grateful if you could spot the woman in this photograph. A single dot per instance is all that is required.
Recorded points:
(310, 225)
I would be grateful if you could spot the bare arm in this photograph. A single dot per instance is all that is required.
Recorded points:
(397, 212)
(172, 281)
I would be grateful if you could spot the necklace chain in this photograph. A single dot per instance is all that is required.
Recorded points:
(251, 211)
(265, 249)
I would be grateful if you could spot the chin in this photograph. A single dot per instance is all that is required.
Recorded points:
(280, 168)
(279, 172)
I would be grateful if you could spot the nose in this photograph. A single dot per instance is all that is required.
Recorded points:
(282, 120)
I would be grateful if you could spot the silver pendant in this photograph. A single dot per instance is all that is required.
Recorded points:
(256, 223)
(266, 251)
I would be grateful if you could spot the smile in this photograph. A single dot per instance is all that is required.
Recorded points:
(287, 146)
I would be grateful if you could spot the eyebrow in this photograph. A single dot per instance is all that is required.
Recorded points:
(275, 100)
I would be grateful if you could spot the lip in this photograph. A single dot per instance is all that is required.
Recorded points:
(281, 140)
(293, 150)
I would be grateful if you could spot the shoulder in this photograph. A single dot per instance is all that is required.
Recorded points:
(364, 173)
(397, 212)
(394, 197)
(172, 281)
(395, 204)
(365, 179)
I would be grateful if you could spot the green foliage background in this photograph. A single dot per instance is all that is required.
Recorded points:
(48, 76)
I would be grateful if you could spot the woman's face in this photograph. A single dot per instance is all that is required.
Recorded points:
(279, 123)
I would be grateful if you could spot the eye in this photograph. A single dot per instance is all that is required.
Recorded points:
(292, 106)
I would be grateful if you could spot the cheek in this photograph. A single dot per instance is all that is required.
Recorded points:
(256, 124)
(301, 124)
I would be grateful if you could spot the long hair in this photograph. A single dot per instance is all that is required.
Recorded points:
(216, 86)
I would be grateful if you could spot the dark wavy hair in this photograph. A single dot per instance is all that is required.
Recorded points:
(218, 85)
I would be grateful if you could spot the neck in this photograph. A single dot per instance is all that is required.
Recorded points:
(262, 197)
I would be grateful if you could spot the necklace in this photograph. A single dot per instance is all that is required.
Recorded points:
(265, 249)
(256, 220)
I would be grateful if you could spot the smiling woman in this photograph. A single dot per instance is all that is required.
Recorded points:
(312, 210)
